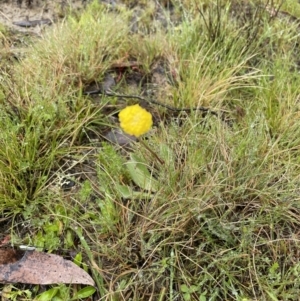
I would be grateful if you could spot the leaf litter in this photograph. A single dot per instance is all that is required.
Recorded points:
(32, 267)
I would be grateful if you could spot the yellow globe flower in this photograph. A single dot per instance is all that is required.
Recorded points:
(135, 120)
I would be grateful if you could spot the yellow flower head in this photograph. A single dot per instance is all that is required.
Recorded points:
(135, 120)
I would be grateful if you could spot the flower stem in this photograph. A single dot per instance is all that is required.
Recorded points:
(151, 151)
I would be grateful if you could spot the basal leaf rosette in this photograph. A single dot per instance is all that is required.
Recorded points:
(134, 120)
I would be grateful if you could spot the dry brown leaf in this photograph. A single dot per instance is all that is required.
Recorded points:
(40, 268)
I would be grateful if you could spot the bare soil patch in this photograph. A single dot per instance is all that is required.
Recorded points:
(34, 15)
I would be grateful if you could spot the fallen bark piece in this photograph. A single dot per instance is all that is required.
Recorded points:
(42, 268)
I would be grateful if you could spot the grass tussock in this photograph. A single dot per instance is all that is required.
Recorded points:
(212, 212)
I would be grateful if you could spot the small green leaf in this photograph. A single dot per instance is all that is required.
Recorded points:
(184, 288)
(140, 174)
(84, 293)
(124, 191)
(48, 295)
(69, 238)
(78, 259)
(202, 298)
(193, 288)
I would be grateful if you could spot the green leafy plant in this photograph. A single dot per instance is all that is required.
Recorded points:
(189, 291)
